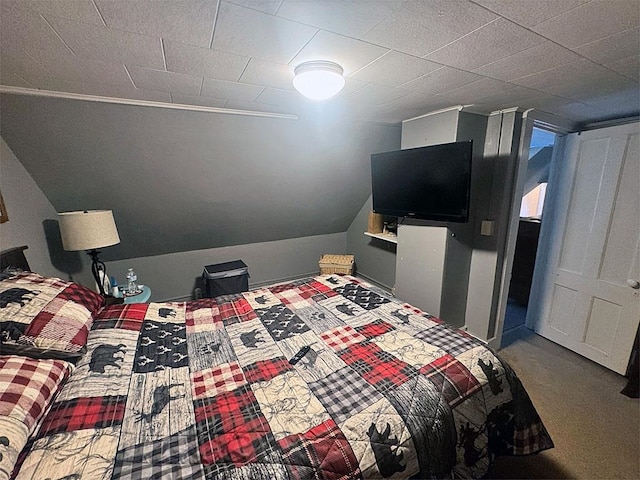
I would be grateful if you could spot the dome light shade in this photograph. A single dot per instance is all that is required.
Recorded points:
(318, 80)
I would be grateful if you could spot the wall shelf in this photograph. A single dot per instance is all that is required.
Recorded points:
(387, 237)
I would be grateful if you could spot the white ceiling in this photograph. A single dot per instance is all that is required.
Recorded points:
(577, 59)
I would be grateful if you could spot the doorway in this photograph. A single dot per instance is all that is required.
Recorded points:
(539, 162)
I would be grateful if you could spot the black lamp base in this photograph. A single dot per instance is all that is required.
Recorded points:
(97, 265)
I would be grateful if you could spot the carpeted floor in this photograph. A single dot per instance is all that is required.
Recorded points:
(596, 430)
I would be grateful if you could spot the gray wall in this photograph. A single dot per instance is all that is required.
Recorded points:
(478, 259)
(498, 170)
(28, 211)
(174, 276)
(33, 222)
(182, 180)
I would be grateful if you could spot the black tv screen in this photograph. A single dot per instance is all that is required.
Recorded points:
(428, 183)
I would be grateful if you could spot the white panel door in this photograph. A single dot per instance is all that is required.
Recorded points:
(592, 304)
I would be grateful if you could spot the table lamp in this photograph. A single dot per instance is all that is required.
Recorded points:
(89, 230)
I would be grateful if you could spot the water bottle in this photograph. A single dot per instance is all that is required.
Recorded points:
(132, 288)
(115, 292)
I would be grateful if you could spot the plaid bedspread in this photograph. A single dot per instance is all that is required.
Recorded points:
(205, 389)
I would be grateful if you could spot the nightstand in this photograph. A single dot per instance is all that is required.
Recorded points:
(142, 297)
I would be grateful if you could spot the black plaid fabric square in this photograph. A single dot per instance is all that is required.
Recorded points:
(322, 453)
(337, 391)
(361, 296)
(161, 345)
(175, 456)
(452, 379)
(449, 340)
(281, 322)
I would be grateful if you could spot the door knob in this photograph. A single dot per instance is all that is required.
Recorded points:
(633, 283)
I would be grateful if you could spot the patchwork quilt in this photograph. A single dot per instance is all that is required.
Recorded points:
(206, 389)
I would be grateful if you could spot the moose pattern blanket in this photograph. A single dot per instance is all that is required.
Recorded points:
(205, 389)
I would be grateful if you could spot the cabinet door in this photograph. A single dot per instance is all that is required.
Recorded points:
(420, 266)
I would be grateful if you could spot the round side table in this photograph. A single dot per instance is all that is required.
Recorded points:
(142, 297)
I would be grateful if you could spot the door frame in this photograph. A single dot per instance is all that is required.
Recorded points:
(561, 127)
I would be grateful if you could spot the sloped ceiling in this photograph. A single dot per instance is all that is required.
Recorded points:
(181, 180)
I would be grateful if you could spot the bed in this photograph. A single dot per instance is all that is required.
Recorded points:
(205, 389)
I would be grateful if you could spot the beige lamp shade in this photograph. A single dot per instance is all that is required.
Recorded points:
(88, 229)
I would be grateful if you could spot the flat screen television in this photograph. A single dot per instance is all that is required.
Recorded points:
(427, 183)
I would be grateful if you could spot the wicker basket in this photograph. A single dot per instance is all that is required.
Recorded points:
(336, 264)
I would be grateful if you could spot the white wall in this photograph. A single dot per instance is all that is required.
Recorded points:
(28, 209)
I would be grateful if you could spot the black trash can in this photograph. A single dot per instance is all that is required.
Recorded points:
(226, 278)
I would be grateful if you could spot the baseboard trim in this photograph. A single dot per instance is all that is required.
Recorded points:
(514, 334)
(384, 287)
(252, 286)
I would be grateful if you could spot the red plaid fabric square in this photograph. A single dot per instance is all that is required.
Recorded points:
(454, 380)
(265, 370)
(205, 318)
(323, 450)
(282, 287)
(202, 303)
(124, 316)
(28, 385)
(84, 413)
(341, 337)
(417, 311)
(45, 317)
(54, 327)
(234, 311)
(293, 297)
(83, 296)
(375, 329)
(306, 289)
(232, 429)
(68, 291)
(314, 288)
(40, 322)
(376, 366)
(215, 380)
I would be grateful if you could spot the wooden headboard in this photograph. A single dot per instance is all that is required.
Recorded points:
(14, 258)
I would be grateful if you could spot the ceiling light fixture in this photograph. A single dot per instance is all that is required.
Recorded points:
(319, 79)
